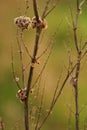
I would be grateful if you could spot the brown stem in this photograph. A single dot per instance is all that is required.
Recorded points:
(76, 92)
(38, 32)
(75, 26)
(77, 67)
(35, 10)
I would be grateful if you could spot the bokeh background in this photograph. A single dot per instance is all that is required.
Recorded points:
(11, 110)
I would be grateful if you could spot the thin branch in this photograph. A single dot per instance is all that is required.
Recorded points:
(45, 9)
(35, 10)
(21, 58)
(40, 109)
(76, 91)
(38, 32)
(75, 23)
(84, 46)
(43, 52)
(83, 107)
(13, 71)
(85, 53)
(25, 69)
(25, 45)
(77, 5)
(70, 109)
(43, 67)
(50, 11)
(56, 90)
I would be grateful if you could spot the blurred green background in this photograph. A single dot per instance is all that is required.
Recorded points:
(11, 110)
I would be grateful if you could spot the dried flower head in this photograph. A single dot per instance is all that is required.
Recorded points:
(22, 22)
(41, 23)
(21, 94)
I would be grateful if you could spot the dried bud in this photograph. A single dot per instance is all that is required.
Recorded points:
(17, 79)
(22, 22)
(21, 94)
(73, 81)
(41, 23)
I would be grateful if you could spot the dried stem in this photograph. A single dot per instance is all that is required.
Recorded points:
(21, 58)
(38, 32)
(75, 26)
(76, 93)
(35, 10)
(43, 66)
(25, 45)
(50, 10)
(13, 71)
(45, 9)
(40, 109)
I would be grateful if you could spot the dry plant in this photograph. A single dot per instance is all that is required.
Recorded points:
(31, 94)
(80, 54)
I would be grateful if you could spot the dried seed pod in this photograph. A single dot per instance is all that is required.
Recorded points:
(41, 23)
(34, 22)
(22, 22)
(44, 24)
(21, 94)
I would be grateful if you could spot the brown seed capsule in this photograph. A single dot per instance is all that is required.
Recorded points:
(21, 94)
(40, 24)
(22, 22)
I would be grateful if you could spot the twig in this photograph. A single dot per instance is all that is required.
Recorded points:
(45, 9)
(13, 71)
(50, 11)
(43, 67)
(35, 10)
(56, 90)
(38, 32)
(79, 53)
(25, 45)
(40, 109)
(21, 58)
(43, 52)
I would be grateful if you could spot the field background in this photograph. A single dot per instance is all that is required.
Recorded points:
(11, 110)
